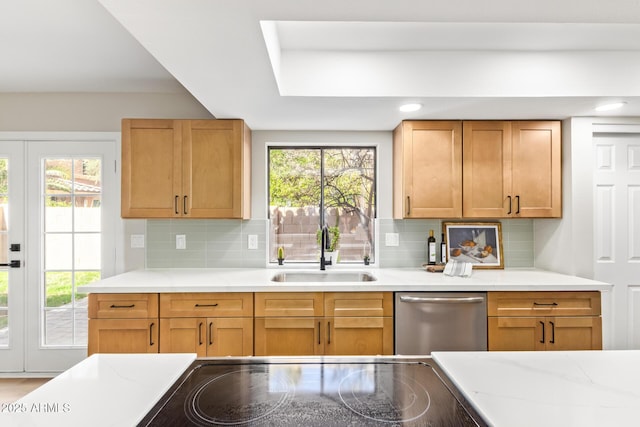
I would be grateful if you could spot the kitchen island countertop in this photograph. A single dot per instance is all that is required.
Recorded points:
(567, 388)
(387, 279)
(552, 388)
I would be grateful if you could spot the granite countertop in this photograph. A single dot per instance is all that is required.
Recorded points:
(563, 389)
(387, 279)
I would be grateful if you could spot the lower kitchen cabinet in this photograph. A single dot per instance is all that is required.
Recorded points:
(123, 336)
(207, 337)
(531, 321)
(123, 323)
(208, 324)
(336, 323)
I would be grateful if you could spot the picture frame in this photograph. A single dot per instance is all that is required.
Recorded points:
(479, 243)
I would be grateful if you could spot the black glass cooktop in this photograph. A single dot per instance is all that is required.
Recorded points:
(309, 394)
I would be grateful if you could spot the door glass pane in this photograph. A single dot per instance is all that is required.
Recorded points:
(72, 246)
(4, 251)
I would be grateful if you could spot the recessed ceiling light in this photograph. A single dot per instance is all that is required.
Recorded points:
(407, 108)
(611, 106)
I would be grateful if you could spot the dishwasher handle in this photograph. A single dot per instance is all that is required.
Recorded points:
(442, 300)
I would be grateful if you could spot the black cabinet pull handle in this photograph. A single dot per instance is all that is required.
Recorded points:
(546, 304)
(151, 333)
(122, 306)
(509, 197)
(210, 333)
(184, 205)
(319, 326)
(200, 334)
(329, 332)
(542, 340)
(518, 204)
(408, 205)
(175, 204)
(553, 333)
(206, 305)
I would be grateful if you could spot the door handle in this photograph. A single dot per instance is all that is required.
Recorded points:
(509, 197)
(408, 205)
(210, 333)
(553, 333)
(122, 306)
(184, 205)
(200, 334)
(14, 263)
(328, 332)
(151, 333)
(175, 204)
(542, 340)
(441, 300)
(319, 326)
(206, 305)
(518, 204)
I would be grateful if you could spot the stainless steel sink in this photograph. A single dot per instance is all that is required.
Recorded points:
(338, 276)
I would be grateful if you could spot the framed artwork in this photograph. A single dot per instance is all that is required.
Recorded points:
(479, 243)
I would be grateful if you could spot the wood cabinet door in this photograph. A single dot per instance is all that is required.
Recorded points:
(486, 169)
(214, 176)
(574, 333)
(289, 304)
(151, 168)
(184, 335)
(358, 304)
(427, 169)
(359, 336)
(123, 336)
(537, 169)
(515, 333)
(230, 336)
(288, 336)
(206, 304)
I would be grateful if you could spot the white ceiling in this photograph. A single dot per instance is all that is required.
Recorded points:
(335, 64)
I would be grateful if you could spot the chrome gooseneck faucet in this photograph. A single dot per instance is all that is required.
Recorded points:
(325, 243)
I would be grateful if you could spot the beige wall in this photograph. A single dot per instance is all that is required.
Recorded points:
(91, 111)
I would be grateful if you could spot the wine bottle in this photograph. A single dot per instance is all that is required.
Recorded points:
(443, 251)
(431, 248)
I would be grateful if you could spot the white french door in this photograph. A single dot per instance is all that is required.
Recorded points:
(72, 204)
(12, 235)
(58, 227)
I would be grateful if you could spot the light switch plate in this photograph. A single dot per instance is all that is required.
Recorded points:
(392, 239)
(137, 241)
(252, 241)
(181, 241)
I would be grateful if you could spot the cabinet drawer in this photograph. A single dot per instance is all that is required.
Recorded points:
(214, 304)
(543, 303)
(289, 304)
(123, 306)
(358, 304)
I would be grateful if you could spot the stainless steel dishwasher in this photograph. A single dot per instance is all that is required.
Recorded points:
(440, 321)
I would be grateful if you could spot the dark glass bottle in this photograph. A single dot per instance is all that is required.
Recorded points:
(431, 249)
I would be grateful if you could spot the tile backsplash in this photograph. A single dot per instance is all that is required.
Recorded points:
(223, 243)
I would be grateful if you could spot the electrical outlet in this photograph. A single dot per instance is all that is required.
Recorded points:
(392, 239)
(181, 241)
(252, 241)
(137, 241)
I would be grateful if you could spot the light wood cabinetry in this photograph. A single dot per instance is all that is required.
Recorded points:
(185, 168)
(208, 324)
(333, 323)
(123, 323)
(427, 169)
(512, 169)
(544, 321)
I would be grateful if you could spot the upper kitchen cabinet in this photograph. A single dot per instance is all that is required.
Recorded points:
(185, 168)
(427, 169)
(512, 169)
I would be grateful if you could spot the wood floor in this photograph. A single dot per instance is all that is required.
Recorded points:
(12, 389)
